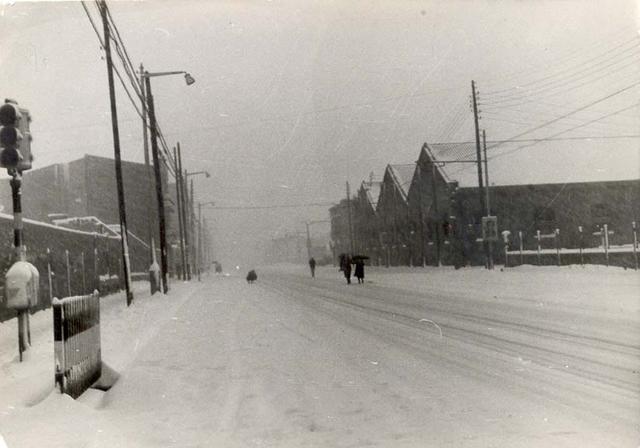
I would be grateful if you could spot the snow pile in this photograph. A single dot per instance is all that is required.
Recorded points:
(31, 412)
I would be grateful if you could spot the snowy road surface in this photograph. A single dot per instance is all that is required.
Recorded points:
(293, 361)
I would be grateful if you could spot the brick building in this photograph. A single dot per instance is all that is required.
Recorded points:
(421, 216)
(87, 188)
(546, 207)
(393, 214)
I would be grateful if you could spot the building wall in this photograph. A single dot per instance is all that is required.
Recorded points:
(526, 208)
(98, 176)
(430, 211)
(338, 214)
(546, 207)
(393, 213)
(87, 187)
(365, 224)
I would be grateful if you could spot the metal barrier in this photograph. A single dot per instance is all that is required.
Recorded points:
(76, 339)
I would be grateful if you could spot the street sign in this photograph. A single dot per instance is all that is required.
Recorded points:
(490, 228)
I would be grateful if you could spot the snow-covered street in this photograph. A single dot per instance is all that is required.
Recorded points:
(529, 357)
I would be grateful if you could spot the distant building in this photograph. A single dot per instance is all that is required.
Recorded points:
(566, 207)
(418, 215)
(87, 187)
(290, 248)
(393, 214)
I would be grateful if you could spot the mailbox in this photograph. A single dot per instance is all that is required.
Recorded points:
(21, 286)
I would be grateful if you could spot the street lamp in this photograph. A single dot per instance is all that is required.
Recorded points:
(200, 248)
(187, 76)
(193, 173)
(187, 211)
(307, 224)
(156, 164)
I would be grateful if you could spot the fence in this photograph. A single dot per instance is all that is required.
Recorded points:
(76, 336)
(70, 262)
(624, 255)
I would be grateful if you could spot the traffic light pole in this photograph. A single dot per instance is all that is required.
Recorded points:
(124, 236)
(158, 178)
(24, 336)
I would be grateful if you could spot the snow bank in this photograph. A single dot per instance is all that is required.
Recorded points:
(32, 413)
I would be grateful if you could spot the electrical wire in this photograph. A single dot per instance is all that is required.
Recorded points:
(263, 207)
(561, 60)
(127, 65)
(609, 55)
(586, 106)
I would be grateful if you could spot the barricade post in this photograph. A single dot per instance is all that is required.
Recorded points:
(76, 335)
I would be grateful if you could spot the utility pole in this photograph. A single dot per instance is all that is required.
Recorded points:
(436, 212)
(478, 153)
(487, 201)
(158, 181)
(185, 216)
(118, 161)
(192, 228)
(421, 216)
(176, 159)
(349, 219)
(308, 242)
(150, 237)
(199, 240)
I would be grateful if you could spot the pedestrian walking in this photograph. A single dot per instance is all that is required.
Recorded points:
(312, 266)
(359, 272)
(345, 267)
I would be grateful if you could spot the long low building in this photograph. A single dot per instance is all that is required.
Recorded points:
(417, 215)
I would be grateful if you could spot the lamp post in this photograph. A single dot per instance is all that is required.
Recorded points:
(190, 225)
(307, 224)
(156, 166)
(200, 245)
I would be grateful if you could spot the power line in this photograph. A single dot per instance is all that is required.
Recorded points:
(554, 136)
(126, 63)
(610, 53)
(568, 58)
(524, 140)
(268, 207)
(534, 142)
(586, 106)
(540, 92)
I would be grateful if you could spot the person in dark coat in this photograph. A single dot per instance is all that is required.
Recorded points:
(252, 276)
(312, 266)
(359, 272)
(345, 267)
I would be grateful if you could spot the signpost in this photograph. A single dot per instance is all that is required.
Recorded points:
(604, 233)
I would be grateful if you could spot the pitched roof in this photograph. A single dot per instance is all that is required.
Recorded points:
(372, 189)
(426, 149)
(403, 175)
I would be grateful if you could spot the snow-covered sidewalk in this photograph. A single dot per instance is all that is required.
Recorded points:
(30, 411)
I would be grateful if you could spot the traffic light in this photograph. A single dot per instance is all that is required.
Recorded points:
(15, 137)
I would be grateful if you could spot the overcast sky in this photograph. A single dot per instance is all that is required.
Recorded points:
(294, 98)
